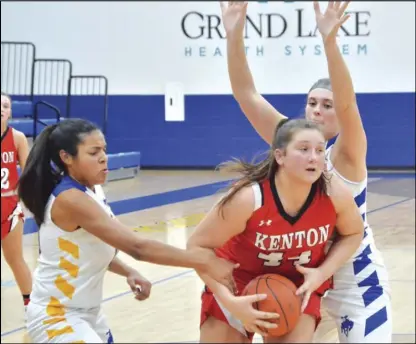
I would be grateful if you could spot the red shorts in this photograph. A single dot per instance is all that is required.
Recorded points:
(11, 213)
(210, 307)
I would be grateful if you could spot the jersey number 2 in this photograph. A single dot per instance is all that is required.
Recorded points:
(5, 178)
(276, 258)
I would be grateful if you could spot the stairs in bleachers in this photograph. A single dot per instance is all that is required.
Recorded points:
(24, 121)
(32, 82)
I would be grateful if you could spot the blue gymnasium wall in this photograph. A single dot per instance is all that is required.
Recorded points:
(215, 129)
(138, 55)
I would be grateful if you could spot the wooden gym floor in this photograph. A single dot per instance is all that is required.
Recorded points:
(170, 204)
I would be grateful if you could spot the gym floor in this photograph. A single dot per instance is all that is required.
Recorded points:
(166, 206)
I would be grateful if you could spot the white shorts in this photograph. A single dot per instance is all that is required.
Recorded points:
(77, 326)
(360, 302)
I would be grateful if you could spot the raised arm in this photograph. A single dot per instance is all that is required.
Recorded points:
(351, 144)
(260, 113)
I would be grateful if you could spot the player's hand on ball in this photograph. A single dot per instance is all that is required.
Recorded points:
(313, 280)
(139, 285)
(253, 320)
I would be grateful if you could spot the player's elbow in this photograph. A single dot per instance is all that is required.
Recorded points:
(140, 249)
(136, 252)
(192, 243)
(355, 236)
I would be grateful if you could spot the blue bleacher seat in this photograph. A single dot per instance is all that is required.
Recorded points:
(121, 165)
(123, 160)
(22, 119)
(22, 109)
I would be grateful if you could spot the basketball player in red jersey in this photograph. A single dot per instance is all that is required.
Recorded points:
(14, 150)
(277, 219)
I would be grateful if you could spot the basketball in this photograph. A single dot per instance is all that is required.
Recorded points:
(281, 299)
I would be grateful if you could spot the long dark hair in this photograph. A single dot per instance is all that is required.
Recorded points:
(258, 172)
(44, 167)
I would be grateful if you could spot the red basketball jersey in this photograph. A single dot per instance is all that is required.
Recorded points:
(9, 159)
(273, 241)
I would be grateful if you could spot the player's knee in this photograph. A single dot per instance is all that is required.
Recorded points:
(302, 333)
(216, 330)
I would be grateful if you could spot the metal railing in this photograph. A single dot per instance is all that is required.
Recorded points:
(17, 67)
(52, 78)
(36, 116)
(90, 85)
(25, 75)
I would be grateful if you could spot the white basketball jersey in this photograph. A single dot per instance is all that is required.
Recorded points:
(367, 260)
(71, 265)
(358, 190)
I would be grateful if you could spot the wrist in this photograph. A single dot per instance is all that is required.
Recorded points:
(226, 298)
(329, 42)
(129, 271)
(325, 272)
(235, 36)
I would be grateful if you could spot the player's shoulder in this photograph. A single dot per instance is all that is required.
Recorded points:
(68, 184)
(18, 136)
(245, 195)
(243, 199)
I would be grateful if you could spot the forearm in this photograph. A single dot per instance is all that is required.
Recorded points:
(339, 253)
(156, 252)
(341, 82)
(261, 114)
(219, 290)
(118, 267)
(242, 82)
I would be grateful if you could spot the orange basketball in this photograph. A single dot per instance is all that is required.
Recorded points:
(281, 299)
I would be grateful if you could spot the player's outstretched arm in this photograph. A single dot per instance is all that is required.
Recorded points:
(84, 212)
(352, 142)
(260, 113)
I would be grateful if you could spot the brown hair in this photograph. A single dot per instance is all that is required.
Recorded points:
(258, 172)
(324, 83)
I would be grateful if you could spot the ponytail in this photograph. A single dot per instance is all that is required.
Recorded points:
(44, 167)
(39, 178)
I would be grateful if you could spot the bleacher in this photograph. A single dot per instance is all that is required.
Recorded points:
(43, 92)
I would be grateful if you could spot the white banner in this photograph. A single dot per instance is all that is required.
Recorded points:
(142, 46)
